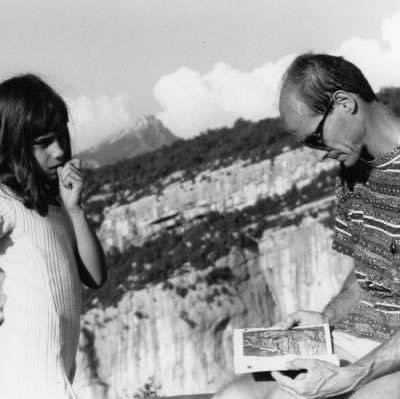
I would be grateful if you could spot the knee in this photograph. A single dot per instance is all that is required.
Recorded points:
(236, 389)
(277, 393)
(231, 391)
(246, 387)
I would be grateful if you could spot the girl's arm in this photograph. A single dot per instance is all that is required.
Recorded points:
(90, 255)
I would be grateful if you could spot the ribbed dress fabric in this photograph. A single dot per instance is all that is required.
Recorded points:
(40, 333)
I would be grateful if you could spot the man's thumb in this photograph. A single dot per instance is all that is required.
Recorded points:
(299, 364)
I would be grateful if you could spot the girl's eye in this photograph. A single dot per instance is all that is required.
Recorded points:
(44, 142)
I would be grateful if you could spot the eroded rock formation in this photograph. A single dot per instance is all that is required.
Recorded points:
(180, 331)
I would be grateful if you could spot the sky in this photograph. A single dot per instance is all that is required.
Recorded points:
(195, 64)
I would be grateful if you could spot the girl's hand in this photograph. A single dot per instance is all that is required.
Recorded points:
(70, 181)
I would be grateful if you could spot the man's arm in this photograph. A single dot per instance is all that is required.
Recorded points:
(336, 309)
(326, 380)
(383, 360)
(340, 304)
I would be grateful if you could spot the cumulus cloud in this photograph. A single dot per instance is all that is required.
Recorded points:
(192, 102)
(378, 59)
(93, 120)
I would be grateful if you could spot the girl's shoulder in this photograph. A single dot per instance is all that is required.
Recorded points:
(7, 194)
(7, 209)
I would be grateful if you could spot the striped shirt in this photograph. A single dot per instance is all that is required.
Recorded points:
(367, 227)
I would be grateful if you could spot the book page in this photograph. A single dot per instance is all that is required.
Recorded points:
(268, 349)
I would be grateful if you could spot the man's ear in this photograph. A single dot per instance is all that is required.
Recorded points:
(347, 101)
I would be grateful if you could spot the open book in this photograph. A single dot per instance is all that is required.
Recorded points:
(268, 349)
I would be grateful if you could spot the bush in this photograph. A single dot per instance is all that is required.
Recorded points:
(150, 390)
(219, 275)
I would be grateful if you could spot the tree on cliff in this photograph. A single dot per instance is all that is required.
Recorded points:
(391, 97)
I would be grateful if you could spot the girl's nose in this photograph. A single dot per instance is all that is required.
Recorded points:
(57, 151)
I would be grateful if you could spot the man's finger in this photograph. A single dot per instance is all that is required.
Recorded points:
(283, 324)
(277, 326)
(291, 392)
(300, 364)
(283, 380)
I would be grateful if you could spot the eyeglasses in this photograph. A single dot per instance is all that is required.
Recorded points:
(315, 139)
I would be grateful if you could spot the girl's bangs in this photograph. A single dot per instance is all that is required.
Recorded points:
(50, 118)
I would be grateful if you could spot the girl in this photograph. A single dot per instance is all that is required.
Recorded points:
(46, 246)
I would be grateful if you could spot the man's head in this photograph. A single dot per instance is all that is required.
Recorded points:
(322, 102)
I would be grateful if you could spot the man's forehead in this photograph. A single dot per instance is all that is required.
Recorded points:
(295, 114)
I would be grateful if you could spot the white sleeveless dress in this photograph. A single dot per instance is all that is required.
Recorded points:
(40, 333)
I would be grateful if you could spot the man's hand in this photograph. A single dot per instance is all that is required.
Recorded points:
(301, 318)
(70, 181)
(322, 379)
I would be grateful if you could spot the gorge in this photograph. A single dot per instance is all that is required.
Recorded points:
(178, 332)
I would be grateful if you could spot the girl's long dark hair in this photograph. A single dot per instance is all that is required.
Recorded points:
(29, 108)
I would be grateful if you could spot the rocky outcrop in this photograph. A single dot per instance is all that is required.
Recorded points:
(147, 134)
(180, 331)
(222, 190)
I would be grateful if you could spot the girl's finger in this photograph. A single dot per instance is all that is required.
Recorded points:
(72, 167)
(74, 174)
(75, 162)
(70, 172)
(72, 180)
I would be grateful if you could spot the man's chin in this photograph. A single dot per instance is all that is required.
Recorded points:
(349, 160)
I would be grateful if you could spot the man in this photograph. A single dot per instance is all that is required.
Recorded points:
(327, 104)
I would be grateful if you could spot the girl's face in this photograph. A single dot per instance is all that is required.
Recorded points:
(49, 154)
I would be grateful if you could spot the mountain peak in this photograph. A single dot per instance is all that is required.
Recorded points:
(146, 134)
(146, 121)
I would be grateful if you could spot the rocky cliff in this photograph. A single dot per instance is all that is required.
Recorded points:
(180, 331)
(237, 186)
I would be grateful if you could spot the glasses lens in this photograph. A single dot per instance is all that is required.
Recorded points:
(314, 142)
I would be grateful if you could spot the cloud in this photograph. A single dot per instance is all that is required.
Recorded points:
(378, 59)
(93, 120)
(192, 102)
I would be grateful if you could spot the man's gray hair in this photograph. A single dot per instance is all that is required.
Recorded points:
(317, 76)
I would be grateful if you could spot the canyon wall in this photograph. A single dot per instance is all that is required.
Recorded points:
(222, 189)
(180, 332)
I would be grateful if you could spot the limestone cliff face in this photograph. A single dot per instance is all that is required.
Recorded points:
(180, 332)
(301, 269)
(222, 190)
